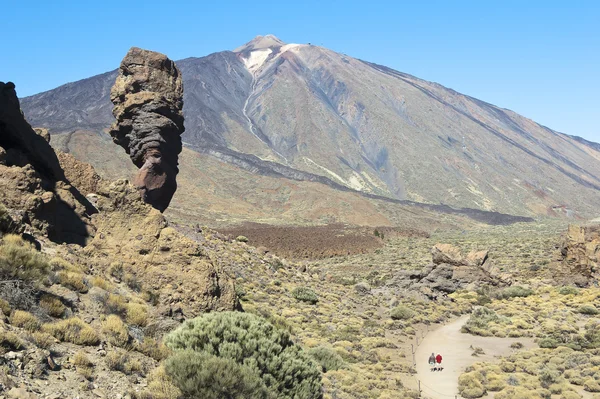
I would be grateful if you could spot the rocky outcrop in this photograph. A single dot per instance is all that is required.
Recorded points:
(33, 187)
(580, 255)
(148, 100)
(140, 240)
(450, 271)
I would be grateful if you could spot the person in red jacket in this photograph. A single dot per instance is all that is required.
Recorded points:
(438, 360)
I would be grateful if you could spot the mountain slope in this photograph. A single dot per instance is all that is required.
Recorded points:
(359, 125)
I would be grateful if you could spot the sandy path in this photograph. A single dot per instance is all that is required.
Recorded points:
(454, 347)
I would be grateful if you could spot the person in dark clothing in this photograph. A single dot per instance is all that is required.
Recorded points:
(438, 361)
(432, 361)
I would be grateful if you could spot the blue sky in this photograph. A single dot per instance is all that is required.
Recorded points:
(538, 58)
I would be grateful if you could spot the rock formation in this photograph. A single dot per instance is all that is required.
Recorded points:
(450, 271)
(148, 100)
(580, 253)
(33, 186)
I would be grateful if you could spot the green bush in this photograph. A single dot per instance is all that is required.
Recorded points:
(479, 321)
(401, 313)
(305, 294)
(200, 375)
(243, 344)
(516, 291)
(327, 358)
(568, 290)
(19, 260)
(590, 310)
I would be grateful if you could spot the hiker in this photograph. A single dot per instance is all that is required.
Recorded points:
(438, 360)
(432, 361)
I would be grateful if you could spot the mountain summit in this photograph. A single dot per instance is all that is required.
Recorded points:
(260, 43)
(308, 113)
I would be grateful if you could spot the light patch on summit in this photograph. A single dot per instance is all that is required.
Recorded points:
(256, 59)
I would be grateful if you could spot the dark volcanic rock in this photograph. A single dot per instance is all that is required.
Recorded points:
(21, 143)
(148, 99)
(33, 185)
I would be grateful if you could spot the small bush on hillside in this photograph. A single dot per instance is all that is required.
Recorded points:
(241, 238)
(479, 321)
(74, 281)
(568, 290)
(470, 386)
(590, 310)
(515, 291)
(401, 313)
(52, 305)
(9, 342)
(137, 314)
(305, 294)
(247, 346)
(327, 358)
(72, 330)
(25, 320)
(115, 330)
(19, 260)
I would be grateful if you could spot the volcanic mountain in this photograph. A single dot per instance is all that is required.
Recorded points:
(305, 113)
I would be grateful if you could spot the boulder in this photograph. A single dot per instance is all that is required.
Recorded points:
(580, 255)
(450, 271)
(148, 103)
(446, 253)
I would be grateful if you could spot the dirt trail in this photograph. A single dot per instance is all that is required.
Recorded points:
(454, 347)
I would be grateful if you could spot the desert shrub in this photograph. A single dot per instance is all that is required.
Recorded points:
(115, 304)
(25, 320)
(42, 339)
(548, 377)
(253, 344)
(120, 360)
(137, 314)
(516, 345)
(479, 321)
(570, 395)
(508, 367)
(362, 288)
(74, 281)
(590, 310)
(401, 313)
(327, 358)
(19, 260)
(241, 238)
(160, 386)
(156, 350)
(80, 359)
(72, 330)
(517, 393)
(591, 385)
(100, 282)
(52, 305)
(470, 385)
(200, 375)
(515, 291)
(115, 330)
(568, 290)
(10, 342)
(305, 294)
